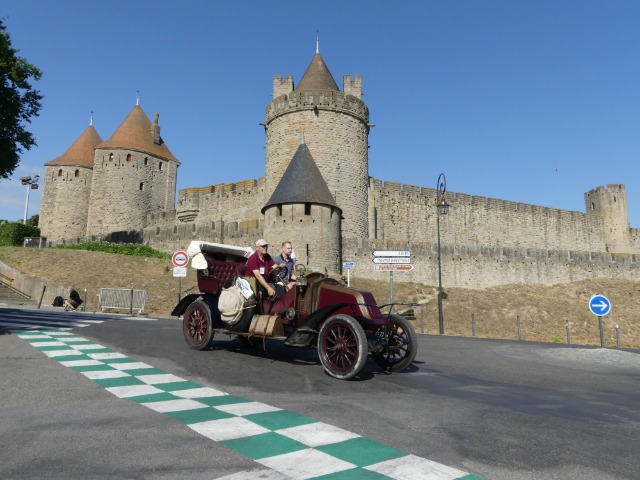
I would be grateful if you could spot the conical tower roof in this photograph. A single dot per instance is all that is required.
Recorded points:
(302, 182)
(317, 78)
(80, 153)
(135, 133)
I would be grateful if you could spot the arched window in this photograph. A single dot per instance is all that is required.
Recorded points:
(146, 161)
(129, 158)
(60, 172)
(111, 157)
(77, 173)
(160, 166)
(141, 185)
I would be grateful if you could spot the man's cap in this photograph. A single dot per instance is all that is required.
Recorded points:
(261, 243)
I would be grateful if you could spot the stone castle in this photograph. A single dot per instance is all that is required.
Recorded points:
(317, 192)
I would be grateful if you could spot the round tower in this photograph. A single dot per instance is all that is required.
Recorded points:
(608, 206)
(335, 125)
(303, 211)
(134, 174)
(67, 187)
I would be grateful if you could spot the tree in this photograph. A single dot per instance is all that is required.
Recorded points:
(18, 103)
(33, 220)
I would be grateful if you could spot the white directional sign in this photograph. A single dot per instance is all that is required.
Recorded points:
(392, 260)
(180, 272)
(348, 265)
(599, 305)
(393, 268)
(392, 253)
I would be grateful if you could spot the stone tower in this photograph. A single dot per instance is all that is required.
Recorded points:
(608, 206)
(67, 189)
(335, 126)
(302, 210)
(134, 174)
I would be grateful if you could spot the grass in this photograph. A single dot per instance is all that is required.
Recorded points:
(543, 309)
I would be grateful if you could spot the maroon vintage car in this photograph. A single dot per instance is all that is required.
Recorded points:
(344, 324)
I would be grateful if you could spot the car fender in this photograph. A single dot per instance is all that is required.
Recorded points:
(184, 303)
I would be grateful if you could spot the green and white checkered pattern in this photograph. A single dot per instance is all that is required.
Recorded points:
(296, 446)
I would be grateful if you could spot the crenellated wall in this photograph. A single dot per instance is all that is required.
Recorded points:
(408, 213)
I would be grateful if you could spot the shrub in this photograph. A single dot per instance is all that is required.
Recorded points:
(134, 249)
(13, 234)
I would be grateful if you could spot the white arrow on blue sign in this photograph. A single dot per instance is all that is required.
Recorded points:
(599, 305)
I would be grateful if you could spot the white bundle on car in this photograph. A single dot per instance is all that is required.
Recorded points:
(233, 301)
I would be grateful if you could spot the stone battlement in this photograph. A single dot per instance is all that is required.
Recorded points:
(333, 101)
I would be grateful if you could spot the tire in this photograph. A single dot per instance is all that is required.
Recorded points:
(244, 323)
(197, 326)
(401, 345)
(342, 347)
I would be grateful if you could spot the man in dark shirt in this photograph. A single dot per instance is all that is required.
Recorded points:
(73, 301)
(285, 262)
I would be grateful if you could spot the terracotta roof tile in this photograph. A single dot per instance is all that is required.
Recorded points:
(317, 78)
(135, 133)
(80, 153)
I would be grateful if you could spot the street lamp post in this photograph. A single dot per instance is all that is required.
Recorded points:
(31, 183)
(443, 208)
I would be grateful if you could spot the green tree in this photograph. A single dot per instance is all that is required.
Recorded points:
(18, 103)
(33, 220)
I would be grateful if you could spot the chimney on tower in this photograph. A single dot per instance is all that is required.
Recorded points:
(155, 129)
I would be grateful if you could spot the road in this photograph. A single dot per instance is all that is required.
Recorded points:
(495, 409)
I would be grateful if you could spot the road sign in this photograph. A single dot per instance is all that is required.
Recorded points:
(392, 268)
(180, 272)
(392, 253)
(599, 305)
(392, 260)
(348, 265)
(180, 259)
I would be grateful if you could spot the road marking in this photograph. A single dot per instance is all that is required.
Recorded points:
(294, 445)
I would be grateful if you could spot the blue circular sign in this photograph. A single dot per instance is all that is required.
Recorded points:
(599, 305)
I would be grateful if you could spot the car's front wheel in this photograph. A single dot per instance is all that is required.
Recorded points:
(197, 326)
(342, 347)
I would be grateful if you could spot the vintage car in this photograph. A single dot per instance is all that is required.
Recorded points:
(345, 325)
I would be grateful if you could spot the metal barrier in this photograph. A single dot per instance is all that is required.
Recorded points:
(122, 299)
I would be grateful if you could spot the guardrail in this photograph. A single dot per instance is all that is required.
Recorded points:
(122, 299)
(8, 283)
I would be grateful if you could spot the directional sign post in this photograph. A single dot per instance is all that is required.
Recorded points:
(392, 261)
(348, 266)
(600, 306)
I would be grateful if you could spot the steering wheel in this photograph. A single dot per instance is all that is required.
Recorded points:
(274, 277)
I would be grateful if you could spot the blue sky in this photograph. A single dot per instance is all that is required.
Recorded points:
(528, 101)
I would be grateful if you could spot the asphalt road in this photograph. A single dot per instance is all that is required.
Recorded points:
(496, 409)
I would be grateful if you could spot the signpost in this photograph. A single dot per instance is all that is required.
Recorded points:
(348, 266)
(600, 306)
(392, 261)
(180, 260)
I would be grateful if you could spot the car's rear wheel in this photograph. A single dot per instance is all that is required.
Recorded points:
(342, 347)
(401, 345)
(197, 326)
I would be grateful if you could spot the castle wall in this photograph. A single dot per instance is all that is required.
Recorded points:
(480, 267)
(127, 185)
(335, 128)
(65, 203)
(408, 213)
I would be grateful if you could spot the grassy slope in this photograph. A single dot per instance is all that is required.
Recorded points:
(543, 309)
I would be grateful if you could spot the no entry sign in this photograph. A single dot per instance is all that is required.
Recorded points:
(180, 259)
